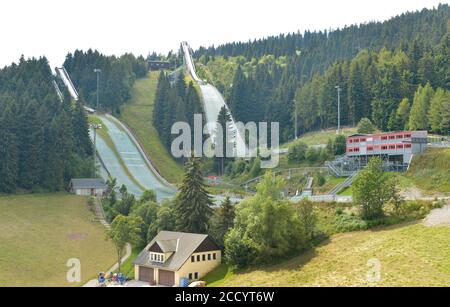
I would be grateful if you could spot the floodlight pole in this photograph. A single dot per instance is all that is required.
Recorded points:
(338, 88)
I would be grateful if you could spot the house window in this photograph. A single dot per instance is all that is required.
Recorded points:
(214, 256)
(399, 146)
(203, 257)
(399, 136)
(408, 146)
(209, 256)
(391, 146)
(190, 276)
(198, 257)
(156, 257)
(384, 137)
(362, 140)
(192, 258)
(407, 135)
(196, 275)
(370, 148)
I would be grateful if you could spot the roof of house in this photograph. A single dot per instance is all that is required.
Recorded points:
(88, 183)
(182, 244)
(164, 246)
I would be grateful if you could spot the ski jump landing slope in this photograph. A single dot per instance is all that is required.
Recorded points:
(213, 101)
(144, 176)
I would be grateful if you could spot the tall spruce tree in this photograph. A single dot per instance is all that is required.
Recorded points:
(193, 203)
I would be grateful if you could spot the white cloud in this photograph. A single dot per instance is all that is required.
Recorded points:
(55, 27)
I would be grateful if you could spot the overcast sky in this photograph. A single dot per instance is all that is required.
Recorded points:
(55, 27)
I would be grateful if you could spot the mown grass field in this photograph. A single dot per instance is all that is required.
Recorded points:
(430, 171)
(320, 137)
(409, 254)
(40, 233)
(138, 114)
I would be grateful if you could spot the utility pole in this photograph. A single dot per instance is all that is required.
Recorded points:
(338, 88)
(98, 72)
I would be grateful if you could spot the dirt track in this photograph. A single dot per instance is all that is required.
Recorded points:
(438, 217)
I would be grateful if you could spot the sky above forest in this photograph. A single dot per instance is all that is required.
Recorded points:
(55, 27)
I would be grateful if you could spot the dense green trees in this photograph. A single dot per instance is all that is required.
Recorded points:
(267, 226)
(383, 98)
(44, 142)
(418, 118)
(222, 221)
(375, 69)
(438, 114)
(174, 103)
(322, 48)
(117, 76)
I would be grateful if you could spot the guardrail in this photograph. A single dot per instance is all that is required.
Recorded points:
(324, 198)
(288, 170)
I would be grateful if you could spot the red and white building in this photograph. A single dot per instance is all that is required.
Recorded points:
(396, 147)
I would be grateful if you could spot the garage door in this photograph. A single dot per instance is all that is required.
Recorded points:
(146, 274)
(166, 278)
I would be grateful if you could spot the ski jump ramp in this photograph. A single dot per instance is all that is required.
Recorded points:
(213, 101)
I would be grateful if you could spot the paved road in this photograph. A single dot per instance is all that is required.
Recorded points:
(134, 162)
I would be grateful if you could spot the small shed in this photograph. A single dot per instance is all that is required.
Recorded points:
(158, 65)
(88, 187)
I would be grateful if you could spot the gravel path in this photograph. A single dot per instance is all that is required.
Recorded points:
(438, 217)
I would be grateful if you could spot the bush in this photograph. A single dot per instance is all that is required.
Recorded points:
(239, 252)
(319, 179)
(340, 143)
(297, 152)
(345, 223)
(415, 209)
(91, 204)
(311, 154)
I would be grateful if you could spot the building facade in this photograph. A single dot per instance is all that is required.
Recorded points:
(394, 147)
(88, 187)
(175, 256)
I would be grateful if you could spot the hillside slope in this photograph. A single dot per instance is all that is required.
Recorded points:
(137, 114)
(430, 171)
(410, 255)
(39, 233)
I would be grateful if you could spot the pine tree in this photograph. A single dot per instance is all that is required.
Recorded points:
(436, 112)
(402, 115)
(193, 202)
(418, 118)
(356, 99)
